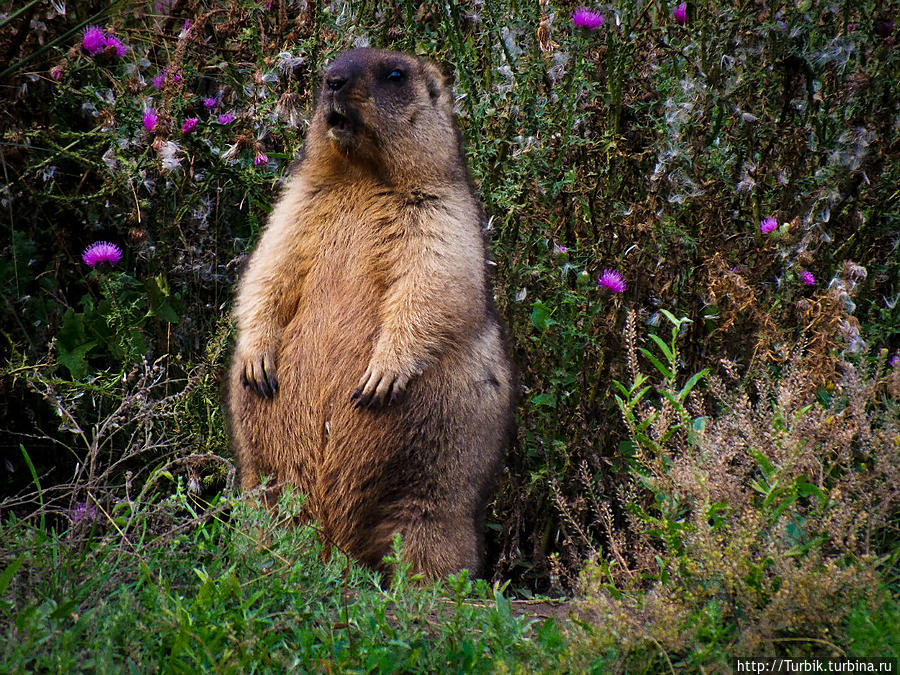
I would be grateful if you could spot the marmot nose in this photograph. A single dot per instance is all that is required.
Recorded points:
(335, 81)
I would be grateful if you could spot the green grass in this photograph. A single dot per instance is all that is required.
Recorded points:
(234, 589)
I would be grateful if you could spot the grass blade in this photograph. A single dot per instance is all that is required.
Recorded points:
(37, 482)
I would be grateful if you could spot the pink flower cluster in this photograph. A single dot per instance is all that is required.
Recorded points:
(95, 41)
(586, 18)
(83, 511)
(159, 81)
(612, 280)
(101, 252)
(150, 119)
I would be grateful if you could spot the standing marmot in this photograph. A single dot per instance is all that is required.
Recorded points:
(370, 371)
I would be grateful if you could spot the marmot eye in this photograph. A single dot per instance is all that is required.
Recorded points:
(396, 75)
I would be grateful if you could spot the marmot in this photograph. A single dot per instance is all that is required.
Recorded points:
(370, 368)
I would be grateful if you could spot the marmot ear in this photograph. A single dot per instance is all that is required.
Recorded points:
(438, 77)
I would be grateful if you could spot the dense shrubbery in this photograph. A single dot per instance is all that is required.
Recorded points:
(735, 165)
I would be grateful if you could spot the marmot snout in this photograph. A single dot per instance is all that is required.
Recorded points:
(370, 369)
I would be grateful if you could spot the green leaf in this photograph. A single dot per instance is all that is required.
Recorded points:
(10, 572)
(163, 304)
(767, 467)
(789, 499)
(626, 449)
(691, 383)
(716, 508)
(549, 637)
(34, 477)
(659, 366)
(540, 316)
(74, 359)
(544, 399)
(759, 487)
(671, 317)
(502, 604)
(806, 489)
(621, 387)
(637, 397)
(64, 609)
(670, 357)
(72, 344)
(774, 493)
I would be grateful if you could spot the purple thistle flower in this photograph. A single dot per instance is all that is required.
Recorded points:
(210, 102)
(895, 361)
(561, 253)
(612, 280)
(808, 278)
(101, 252)
(189, 125)
(227, 118)
(767, 225)
(93, 40)
(159, 81)
(56, 72)
(113, 41)
(83, 511)
(680, 14)
(261, 159)
(150, 119)
(586, 18)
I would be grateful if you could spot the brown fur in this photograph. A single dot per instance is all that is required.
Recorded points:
(370, 370)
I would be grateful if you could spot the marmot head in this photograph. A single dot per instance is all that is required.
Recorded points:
(388, 112)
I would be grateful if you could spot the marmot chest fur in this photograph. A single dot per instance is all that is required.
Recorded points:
(370, 370)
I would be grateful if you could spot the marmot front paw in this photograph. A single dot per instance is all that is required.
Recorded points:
(380, 385)
(258, 373)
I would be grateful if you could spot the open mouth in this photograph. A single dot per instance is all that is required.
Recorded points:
(338, 122)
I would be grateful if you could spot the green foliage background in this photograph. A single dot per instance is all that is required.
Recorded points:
(648, 147)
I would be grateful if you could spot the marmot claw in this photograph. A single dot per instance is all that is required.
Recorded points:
(259, 377)
(379, 387)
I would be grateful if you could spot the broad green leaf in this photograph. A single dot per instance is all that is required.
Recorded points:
(691, 383)
(540, 315)
(667, 352)
(805, 489)
(72, 344)
(659, 366)
(10, 572)
(767, 467)
(544, 399)
(621, 387)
